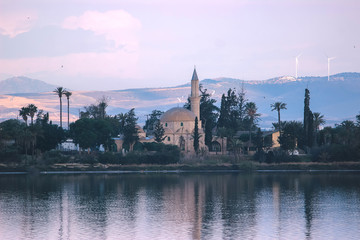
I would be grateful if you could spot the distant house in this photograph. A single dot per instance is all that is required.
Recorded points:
(68, 145)
(119, 141)
(271, 139)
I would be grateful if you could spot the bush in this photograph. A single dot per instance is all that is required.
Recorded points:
(260, 156)
(10, 154)
(157, 153)
(109, 157)
(335, 152)
(52, 157)
(280, 157)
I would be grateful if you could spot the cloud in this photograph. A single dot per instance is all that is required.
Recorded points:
(12, 24)
(52, 41)
(75, 70)
(91, 48)
(117, 25)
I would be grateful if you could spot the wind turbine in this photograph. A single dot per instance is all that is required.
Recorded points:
(296, 65)
(329, 59)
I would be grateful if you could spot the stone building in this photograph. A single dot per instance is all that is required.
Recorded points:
(179, 123)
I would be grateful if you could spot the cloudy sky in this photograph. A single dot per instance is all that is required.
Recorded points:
(118, 44)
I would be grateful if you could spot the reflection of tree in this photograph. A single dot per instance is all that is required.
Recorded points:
(308, 207)
(190, 205)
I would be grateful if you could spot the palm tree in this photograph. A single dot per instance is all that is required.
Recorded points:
(60, 91)
(68, 94)
(23, 112)
(32, 109)
(318, 120)
(252, 115)
(278, 106)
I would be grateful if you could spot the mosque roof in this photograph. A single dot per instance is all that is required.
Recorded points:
(194, 76)
(139, 129)
(178, 114)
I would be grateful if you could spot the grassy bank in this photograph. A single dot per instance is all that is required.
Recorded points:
(209, 163)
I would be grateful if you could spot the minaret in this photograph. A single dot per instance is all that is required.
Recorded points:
(195, 98)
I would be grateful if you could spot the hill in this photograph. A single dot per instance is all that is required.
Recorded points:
(338, 99)
(24, 85)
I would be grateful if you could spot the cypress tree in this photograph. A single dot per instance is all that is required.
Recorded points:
(159, 132)
(196, 136)
(308, 120)
(224, 113)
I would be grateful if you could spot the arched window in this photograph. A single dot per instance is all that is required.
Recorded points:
(181, 124)
(182, 143)
(215, 147)
(169, 139)
(165, 124)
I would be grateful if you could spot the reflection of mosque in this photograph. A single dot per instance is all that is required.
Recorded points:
(179, 206)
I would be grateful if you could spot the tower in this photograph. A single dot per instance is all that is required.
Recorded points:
(195, 97)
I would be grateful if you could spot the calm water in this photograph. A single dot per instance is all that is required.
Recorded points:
(181, 206)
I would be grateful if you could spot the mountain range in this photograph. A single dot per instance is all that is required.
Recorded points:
(337, 99)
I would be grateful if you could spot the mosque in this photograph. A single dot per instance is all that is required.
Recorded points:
(178, 123)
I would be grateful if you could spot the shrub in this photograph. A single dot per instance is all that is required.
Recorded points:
(109, 157)
(335, 152)
(10, 154)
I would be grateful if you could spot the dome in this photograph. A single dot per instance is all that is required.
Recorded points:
(178, 114)
(139, 129)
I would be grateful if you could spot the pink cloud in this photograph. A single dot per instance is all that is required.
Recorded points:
(116, 25)
(12, 24)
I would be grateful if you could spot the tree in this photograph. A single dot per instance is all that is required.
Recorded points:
(154, 117)
(11, 130)
(278, 106)
(51, 134)
(128, 128)
(59, 91)
(252, 115)
(318, 120)
(229, 111)
(308, 120)
(103, 130)
(103, 103)
(208, 114)
(68, 94)
(346, 132)
(224, 114)
(96, 111)
(24, 112)
(242, 110)
(32, 109)
(358, 120)
(292, 134)
(159, 132)
(196, 136)
(84, 133)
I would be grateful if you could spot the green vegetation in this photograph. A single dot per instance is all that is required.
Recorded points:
(159, 132)
(208, 114)
(196, 136)
(303, 144)
(278, 106)
(153, 119)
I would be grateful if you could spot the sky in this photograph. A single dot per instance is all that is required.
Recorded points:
(120, 44)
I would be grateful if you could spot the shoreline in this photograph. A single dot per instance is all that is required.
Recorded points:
(245, 166)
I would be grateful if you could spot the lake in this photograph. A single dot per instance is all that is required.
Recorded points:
(213, 205)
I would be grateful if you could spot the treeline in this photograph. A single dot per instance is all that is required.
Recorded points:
(236, 122)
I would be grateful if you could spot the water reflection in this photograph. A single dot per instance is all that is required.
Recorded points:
(180, 206)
